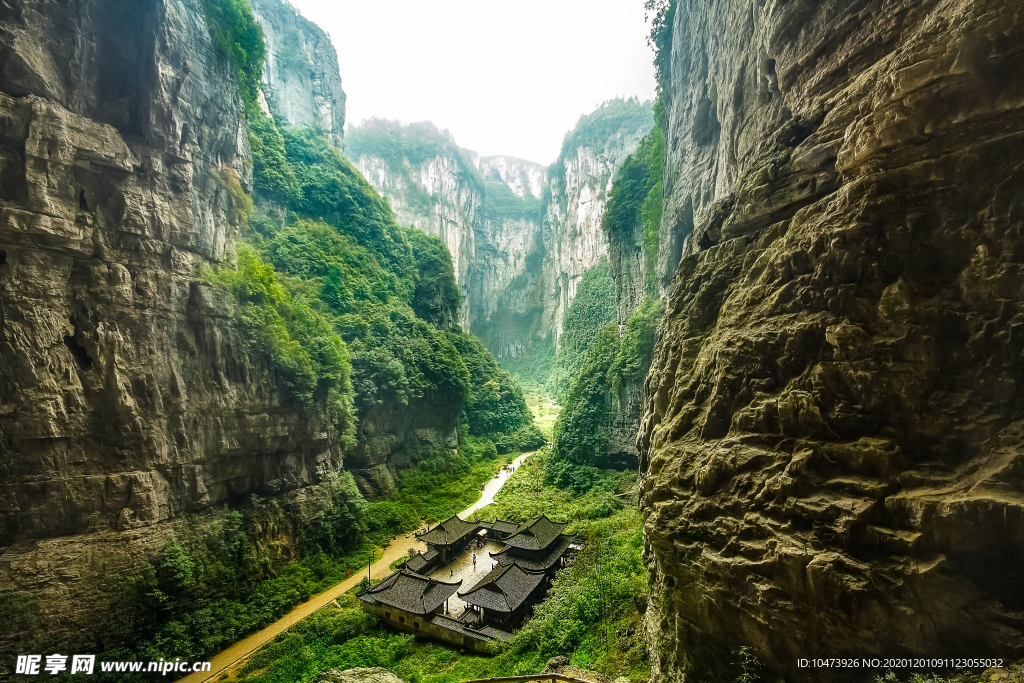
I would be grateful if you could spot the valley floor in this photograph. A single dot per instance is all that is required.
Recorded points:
(592, 613)
(232, 659)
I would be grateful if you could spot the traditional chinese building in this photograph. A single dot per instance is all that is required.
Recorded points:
(536, 545)
(503, 597)
(501, 529)
(415, 603)
(405, 598)
(412, 601)
(448, 538)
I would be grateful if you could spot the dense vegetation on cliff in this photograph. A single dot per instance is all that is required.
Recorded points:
(591, 309)
(583, 427)
(597, 363)
(636, 198)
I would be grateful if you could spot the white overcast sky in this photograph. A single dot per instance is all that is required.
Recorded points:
(505, 77)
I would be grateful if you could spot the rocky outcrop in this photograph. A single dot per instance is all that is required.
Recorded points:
(126, 396)
(359, 675)
(301, 81)
(833, 446)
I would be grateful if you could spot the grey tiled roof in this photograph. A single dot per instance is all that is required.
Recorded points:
(418, 562)
(504, 526)
(447, 532)
(504, 589)
(535, 560)
(497, 633)
(412, 592)
(536, 534)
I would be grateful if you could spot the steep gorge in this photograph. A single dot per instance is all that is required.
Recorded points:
(522, 235)
(155, 373)
(831, 448)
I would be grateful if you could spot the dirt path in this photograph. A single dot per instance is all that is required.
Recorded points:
(228, 662)
(492, 487)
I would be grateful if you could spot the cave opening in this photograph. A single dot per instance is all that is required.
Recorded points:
(78, 352)
(82, 203)
(3, 257)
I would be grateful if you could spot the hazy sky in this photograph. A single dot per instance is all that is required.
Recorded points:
(508, 77)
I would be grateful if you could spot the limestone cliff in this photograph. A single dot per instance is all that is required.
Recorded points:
(518, 263)
(126, 396)
(302, 83)
(833, 445)
(580, 181)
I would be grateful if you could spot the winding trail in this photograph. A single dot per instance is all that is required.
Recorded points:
(227, 663)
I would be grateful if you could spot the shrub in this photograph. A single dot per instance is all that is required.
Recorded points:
(236, 32)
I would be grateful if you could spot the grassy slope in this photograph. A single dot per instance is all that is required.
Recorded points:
(544, 411)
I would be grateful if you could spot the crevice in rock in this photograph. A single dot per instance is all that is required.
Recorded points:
(83, 204)
(705, 124)
(78, 352)
(3, 257)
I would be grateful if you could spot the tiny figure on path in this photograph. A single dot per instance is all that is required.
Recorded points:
(451, 572)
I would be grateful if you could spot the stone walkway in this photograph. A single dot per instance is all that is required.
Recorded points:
(491, 488)
(462, 568)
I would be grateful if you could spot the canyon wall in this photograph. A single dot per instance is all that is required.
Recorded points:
(301, 80)
(518, 263)
(127, 398)
(832, 452)
(580, 182)
(436, 190)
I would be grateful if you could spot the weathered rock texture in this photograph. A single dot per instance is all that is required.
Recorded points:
(301, 81)
(833, 447)
(126, 396)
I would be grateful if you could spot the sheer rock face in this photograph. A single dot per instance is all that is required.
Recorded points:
(126, 397)
(302, 81)
(524, 178)
(833, 445)
(489, 251)
(518, 273)
(573, 239)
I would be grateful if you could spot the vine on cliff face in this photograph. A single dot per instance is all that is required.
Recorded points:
(661, 14)
(584, 425)
(236, 32)
(591, 309)
(637, 196)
